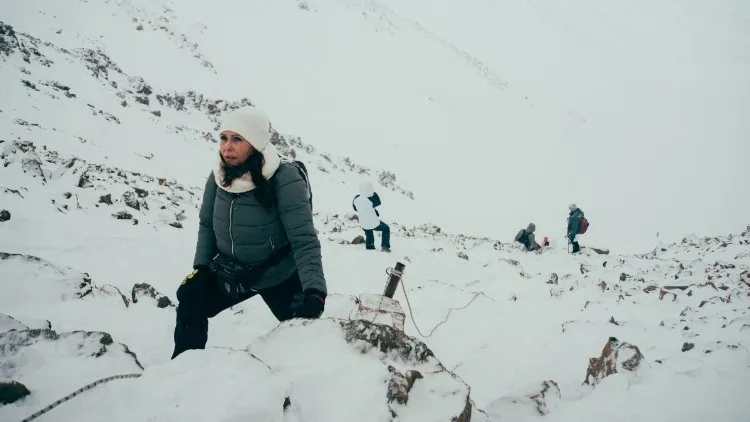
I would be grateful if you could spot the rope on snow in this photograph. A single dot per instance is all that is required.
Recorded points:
(411, 313)
(77, 392)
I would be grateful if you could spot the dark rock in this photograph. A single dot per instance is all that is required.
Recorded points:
(145, 89)
(12, 391)
(612, 321)
(287, 402)
(352, 217)
(553, 279)
(141, 99)
(28, 84)
(359, 240)
(156, 113)
(123, 215)
(651, 288)
(106, 199)
(176, 224)
(4, 215)
(623, 276)
(142, 193)
(724, 265)
(463, 256)
(129, 198)
(106, 339)
(687, 346)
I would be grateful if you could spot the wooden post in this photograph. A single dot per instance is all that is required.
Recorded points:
(395, 277)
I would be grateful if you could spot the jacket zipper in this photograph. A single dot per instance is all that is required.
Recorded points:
(231, 235)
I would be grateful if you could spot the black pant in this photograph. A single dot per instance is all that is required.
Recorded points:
(207, 301)
(576, 246)
(385, 241)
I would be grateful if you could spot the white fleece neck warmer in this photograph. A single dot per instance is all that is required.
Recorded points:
(271, 163)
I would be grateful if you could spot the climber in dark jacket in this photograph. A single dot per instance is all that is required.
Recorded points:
(254, 207)
(526, 238)
(574, 223)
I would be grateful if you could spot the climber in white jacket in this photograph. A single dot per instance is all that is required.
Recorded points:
(369, 218)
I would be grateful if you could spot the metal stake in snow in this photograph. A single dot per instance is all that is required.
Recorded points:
(395, 276)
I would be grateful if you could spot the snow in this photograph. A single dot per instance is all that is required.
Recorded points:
(458, 101)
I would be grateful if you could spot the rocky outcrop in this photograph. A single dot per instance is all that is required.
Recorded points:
(616, 357)
(19, 349)
(141, 290)
(8, 323)
(4, 215)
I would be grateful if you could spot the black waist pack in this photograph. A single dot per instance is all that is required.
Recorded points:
(234, 277)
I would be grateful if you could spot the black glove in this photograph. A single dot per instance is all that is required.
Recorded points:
(194, 284)
(312, 304)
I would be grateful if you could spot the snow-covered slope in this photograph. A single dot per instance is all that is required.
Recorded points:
(107, 132)
(513, 108)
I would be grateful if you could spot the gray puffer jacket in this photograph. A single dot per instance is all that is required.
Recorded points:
(237, 225)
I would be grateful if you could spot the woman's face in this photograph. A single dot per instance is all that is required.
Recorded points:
(234, 148)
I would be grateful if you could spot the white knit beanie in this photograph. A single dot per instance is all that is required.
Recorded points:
(250, 123)
(572, 207)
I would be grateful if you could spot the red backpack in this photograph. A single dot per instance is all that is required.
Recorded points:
(583, 226)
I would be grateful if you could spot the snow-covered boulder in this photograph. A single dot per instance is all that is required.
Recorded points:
(51, 283)
(145, 290)
(535, 399)
(52, 365)
(370, 361)
(8, 323)
(616, 357)
(304, 370)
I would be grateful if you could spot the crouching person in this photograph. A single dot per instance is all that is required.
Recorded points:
(526, 239)
(255, 237)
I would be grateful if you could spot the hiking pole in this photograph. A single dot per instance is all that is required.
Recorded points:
(395, 276)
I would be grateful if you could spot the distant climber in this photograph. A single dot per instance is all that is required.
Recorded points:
(255, 235)
(369, 218)
(577, 225)
(526, 238)
(545, 243)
